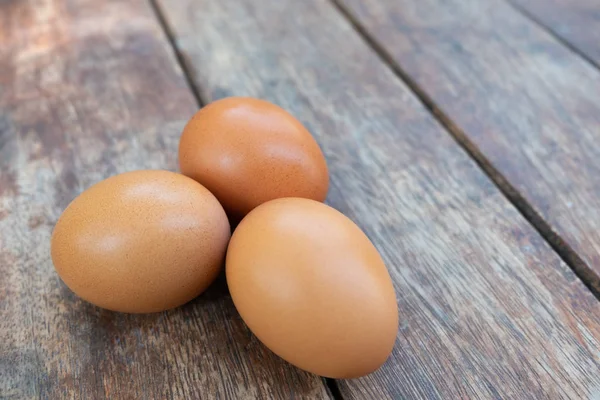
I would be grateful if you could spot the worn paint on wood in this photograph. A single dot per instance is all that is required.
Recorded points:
(528, 105)
(487, 309)
(575, 21)
(89, 89)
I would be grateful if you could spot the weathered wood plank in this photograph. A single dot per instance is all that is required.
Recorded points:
(487, 309)
(89, 89)
(575, 21)
(523, 101)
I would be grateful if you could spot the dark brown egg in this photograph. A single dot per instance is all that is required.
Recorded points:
(248, 151)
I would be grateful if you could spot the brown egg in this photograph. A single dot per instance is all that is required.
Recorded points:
(141, 241)
(248, 151)
(313, 288)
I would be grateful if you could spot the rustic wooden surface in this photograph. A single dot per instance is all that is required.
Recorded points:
(88, 89)
(487, 309)
(575, 21)
(526, 104)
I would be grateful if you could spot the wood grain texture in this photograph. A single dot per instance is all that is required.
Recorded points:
(487, 310)
(89, 89)
(526, 103)
(575, 21)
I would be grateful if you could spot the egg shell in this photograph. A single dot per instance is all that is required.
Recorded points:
(142, 241)
(312, 287)
(248, 151)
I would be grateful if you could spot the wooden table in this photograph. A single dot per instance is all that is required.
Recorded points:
(463, 136)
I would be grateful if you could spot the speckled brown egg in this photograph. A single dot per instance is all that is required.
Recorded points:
(248, 151)
(141, 241)
(313, 288)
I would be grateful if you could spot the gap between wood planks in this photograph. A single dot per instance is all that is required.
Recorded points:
(565, 42)
(187, 72)
(330, 384)
(562, 248)
(566, 253)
